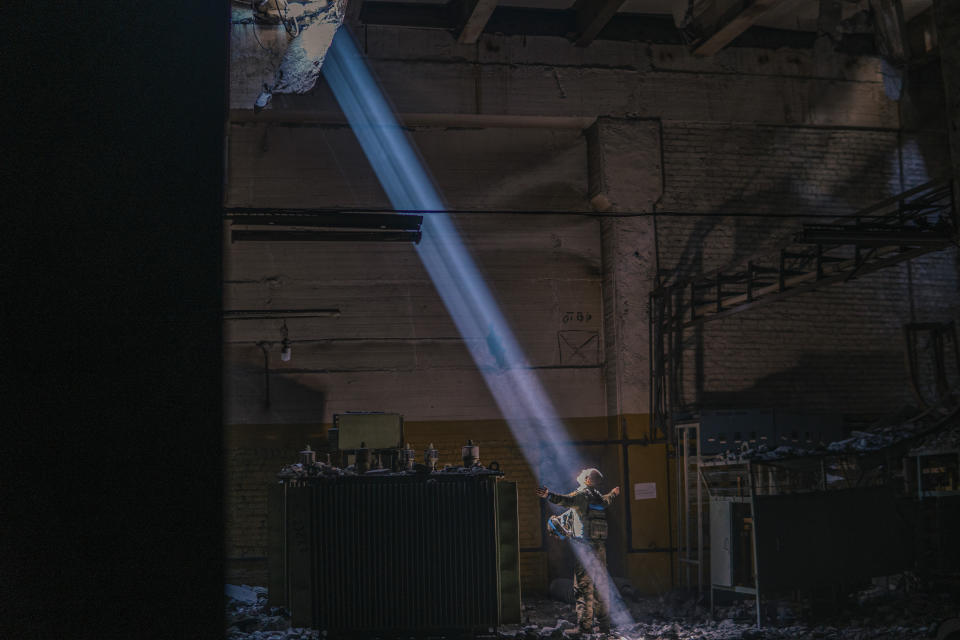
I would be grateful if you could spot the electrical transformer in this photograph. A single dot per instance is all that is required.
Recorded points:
(418, 551)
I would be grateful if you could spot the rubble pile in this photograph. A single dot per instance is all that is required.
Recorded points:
(946, 440)
(863, 441)
(873, 437)
(299, 471)
(885, 611)
(313, 470)
(249, 618)
(880, 613)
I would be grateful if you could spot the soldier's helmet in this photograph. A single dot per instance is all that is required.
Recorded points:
(586, 473)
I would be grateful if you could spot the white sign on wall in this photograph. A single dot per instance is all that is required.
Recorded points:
(644, 490)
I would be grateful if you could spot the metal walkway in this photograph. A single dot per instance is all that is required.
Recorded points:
(906, 226)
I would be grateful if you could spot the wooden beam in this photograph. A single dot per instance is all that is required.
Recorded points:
(891, 30)
(475, 14)
(733, 22)
(591, 17)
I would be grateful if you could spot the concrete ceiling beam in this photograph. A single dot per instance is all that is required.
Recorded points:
(731, 23)
(592, 17)
(474, 17)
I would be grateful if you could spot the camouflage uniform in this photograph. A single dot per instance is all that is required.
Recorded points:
(589, 530)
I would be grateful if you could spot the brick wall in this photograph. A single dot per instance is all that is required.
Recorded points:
(254, 455)
(249, 470)
(721, 169)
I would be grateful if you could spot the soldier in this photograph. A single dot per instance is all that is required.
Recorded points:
(589, 531)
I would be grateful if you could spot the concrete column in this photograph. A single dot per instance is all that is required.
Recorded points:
(625, 181)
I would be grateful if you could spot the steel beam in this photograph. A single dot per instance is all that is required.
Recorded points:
(810, 285)
(242, 235)
(273, 314)
(873, 237)
(308, 218)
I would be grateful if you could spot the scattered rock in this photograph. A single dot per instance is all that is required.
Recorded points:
(889, 608)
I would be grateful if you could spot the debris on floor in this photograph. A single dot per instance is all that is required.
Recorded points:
(889, 609)
(244, 594)
(946, 440)
(252, 619)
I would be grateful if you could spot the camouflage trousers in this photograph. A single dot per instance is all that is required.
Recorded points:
(592, 591)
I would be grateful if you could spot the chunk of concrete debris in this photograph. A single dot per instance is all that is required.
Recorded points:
(242, 593)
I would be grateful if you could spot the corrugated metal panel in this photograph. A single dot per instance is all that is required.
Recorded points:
(276, 536)
(419, 553)
(299, 578)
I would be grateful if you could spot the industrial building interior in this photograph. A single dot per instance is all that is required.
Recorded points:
(712, 252)
(423, 257)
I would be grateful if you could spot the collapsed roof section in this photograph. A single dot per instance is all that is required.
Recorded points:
(295, 36)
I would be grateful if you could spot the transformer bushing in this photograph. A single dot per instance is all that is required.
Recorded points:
(363, 458)
(308, 456)
(407, 458)
(430, 457)
(471, 454)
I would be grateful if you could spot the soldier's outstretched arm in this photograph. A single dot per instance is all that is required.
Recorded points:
(564, 500)
(608, 499)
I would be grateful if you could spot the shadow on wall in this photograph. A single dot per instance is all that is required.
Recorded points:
(924, 102)
(826, 381)
(741, 239)
(805, 183)
(291, 402)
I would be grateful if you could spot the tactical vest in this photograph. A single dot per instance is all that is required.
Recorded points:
(595, 522)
